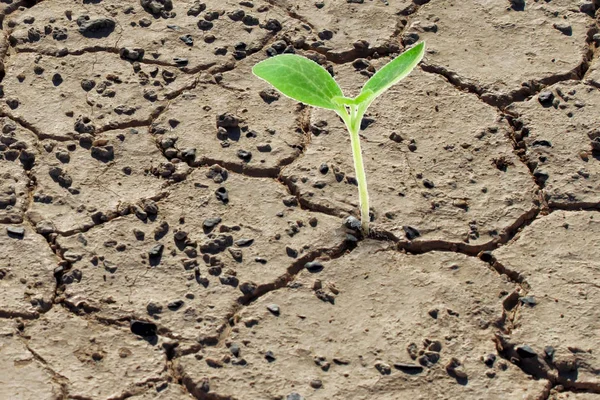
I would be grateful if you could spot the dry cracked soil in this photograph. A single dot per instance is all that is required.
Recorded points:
(172, 228)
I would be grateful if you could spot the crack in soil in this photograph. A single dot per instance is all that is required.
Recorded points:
(59, 53)
(61, 380)
(528, 89)
(543, 367)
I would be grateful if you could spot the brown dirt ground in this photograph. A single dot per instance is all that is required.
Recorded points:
(170, 228)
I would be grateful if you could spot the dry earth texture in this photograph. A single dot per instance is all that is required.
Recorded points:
(172, 228)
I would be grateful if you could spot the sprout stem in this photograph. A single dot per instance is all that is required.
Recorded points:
(353, 125)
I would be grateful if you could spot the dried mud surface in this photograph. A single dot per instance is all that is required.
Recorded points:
(172, 228)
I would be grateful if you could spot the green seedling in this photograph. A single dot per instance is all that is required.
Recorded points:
(307, 82)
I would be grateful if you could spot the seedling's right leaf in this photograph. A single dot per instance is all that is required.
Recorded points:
(300, 79)
(393, 71)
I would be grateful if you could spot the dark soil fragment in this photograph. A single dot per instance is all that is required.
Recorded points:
(409, 368)
(95, 28)
(143, 328)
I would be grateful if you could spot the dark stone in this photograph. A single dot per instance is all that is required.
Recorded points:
(455, 369)
(489, 360)
(428, 184)
(565, 29)
(271, 52)
(549, 352)
(229, 280)
(272, 25)
(325, 34)
(540, 177)
(227, 120)
(236, 15)
(57, 79)
(211, 15)
(361, 63)
(396, 137)
(542, 143)
(435, 345)
(131, 54)
(12, 103)
(324, 168)
(210, 223)
(244, 155)
(216, 245)
(248, 288)
(244, 242)
(352, 223)
(109, 267)
(235, 349)
(61, 177)
(410, 38)
(187, 39)
(250, 20)
(291, 252)
(313, 266)
(158, 7)
(524, 351)
(528, 300)
(517, 5)
(181, 62)
(274, 308)
(269, 356)
(175, 305)
(153, 308)
(291, 201)
(316, 383)
(15, 231)
(429, 359)
(189, 154)
(205, 25)
(96, 28)
(143, 328)
(156, 251)
(104, 154)
(196, 9)
(222, 195)
(545, 98)
(237, 254)
(409, 368)
(383, 368)
(587, 8)
(145, 22)
(411, 233)
(264, 147)
(269, 95)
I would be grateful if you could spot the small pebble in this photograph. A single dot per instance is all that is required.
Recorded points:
(409, 368)
(525, 351)
(274, 308)
(545, 98)
(16, 231)
(383, 368)
(269, 356)
(143, 328)
(313, 266)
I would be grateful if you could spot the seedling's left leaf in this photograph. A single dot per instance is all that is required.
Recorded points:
(393, 71)
(300, 79)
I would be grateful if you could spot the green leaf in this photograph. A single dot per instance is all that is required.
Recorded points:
(300, 79)
(343, 101)
(393, 71)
